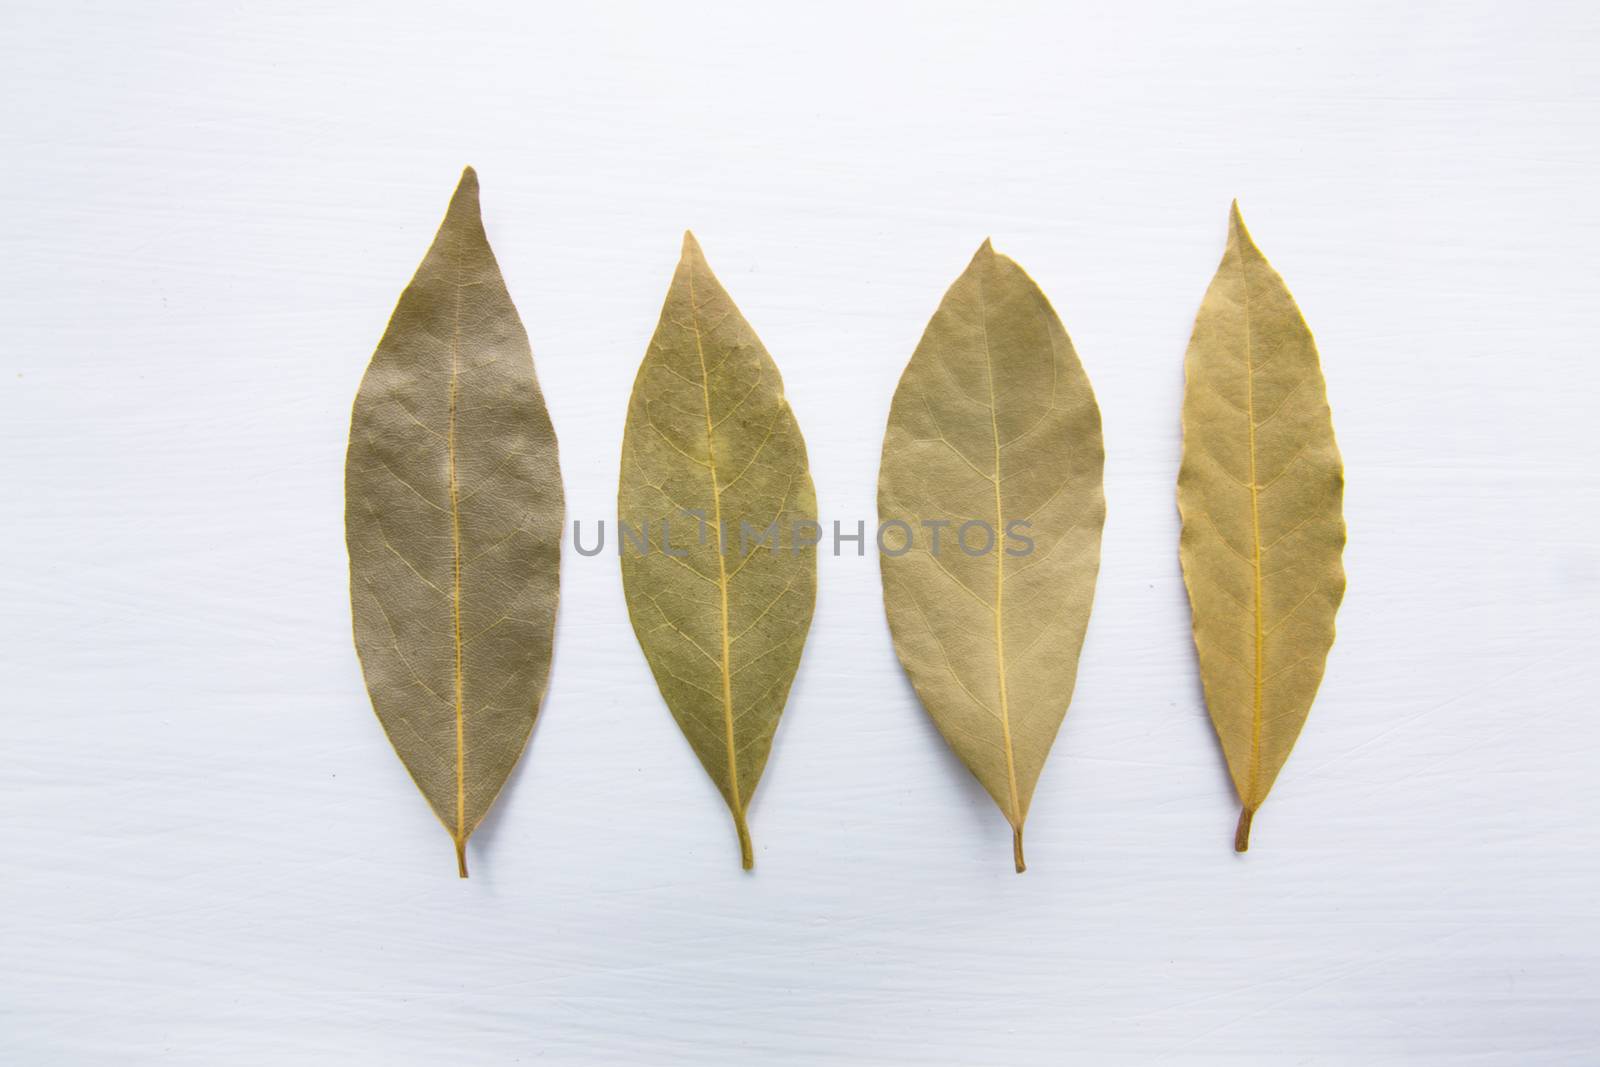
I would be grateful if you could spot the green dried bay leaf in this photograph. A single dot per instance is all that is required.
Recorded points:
(714, 490)
(453, 517)
(1260, 493)
(993, 427)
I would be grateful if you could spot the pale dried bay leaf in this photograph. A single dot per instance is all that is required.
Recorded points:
(993, 423)
(713, 461)
(1260, 493)
(453, 517)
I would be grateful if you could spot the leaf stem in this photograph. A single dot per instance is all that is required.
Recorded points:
(461, 857)
(1241, 835)
(1016, 848)
(746, 852)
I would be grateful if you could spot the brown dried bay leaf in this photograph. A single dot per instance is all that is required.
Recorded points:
(453, 516)
(716, 502)
(1260, 493)
(993, 443)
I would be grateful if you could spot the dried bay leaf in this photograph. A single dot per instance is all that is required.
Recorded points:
(1259, 492)
(712, 460)
(993, 422)
(453, 516)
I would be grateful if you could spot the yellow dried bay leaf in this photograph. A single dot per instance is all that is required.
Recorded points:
(716, 486)
(994, 423)
(453, 516)
(1259, 493)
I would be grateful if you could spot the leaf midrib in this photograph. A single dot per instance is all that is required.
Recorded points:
(455, 590)
(999, 573)
(735, 800)
(1257, 678)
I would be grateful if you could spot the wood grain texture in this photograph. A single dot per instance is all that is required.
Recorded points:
(212, 855)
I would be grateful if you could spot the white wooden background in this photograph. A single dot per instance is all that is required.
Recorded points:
(211, 855)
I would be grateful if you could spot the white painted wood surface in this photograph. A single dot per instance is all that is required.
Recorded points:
(212, 856)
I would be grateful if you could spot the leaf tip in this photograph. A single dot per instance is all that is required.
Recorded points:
(985, 256)
(1238, 234)
(465, 198)
(689, 243)
(1236, 226)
